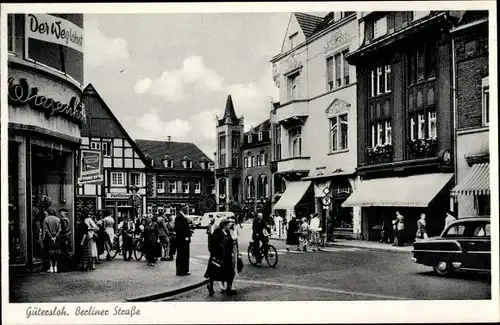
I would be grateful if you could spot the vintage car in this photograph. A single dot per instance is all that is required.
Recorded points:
(464, 244)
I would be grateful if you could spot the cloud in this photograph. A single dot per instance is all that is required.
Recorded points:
(151, 126)
(101, 50)
(142, 85)
(204, 123)
(193, 74)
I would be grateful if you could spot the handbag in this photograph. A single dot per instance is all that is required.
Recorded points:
(239, 263)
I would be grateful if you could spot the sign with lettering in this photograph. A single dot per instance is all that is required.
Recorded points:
(121, 196)
(91, 169)
(21, 94)
(53, 29)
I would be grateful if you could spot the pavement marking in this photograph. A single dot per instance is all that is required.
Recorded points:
(297, 286)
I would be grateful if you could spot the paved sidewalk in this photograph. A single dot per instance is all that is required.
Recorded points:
(111, 281)
(370, 245)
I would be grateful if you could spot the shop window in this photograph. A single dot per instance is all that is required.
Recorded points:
(95, 145)
(135, 179)
(106, 149)
(172, 187)
(339, 129)
(197, 187)
(185, 187)
(295, 135)
(293, 86)
(486, 100)
(482, 205)
(380, 27)
(160, 186)
(117, 179)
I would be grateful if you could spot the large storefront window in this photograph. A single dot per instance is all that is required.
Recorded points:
(14, 233)
(52, 186)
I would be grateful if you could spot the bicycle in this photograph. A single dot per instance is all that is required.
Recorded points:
(115, 248)
(139, 248)
(271, 254)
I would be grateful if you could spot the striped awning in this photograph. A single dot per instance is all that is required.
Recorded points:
(293, 194)
(476, 182)
(411, 191)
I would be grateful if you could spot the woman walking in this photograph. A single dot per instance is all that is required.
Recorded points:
(220, 265)
(421, 232)
(151, 240)
(292, 234)
(92, 237)
(109, 229)
(82, 244)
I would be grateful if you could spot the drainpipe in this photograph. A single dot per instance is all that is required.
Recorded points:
(455, 122)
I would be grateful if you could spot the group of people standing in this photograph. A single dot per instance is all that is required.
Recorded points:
(56, 238)
(225, 261)
(306, 231)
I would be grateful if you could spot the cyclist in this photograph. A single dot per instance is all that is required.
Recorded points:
(259, 228)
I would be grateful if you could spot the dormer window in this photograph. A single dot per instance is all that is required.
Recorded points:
(249, 137)
(186, 163)
(168, 162)
(260, 136)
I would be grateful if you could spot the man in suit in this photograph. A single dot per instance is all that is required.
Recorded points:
(183, 239)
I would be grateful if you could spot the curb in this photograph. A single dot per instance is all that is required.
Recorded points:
(389, 250)
(167, 294)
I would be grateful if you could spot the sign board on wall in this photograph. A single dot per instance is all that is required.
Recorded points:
(123, 196)
(55, 30)
(91, 169)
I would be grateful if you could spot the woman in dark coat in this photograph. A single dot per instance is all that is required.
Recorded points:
(220, 265)
(292, 234)
(151, 241)
(82, 255)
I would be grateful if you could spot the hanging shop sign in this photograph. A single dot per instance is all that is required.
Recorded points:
(52, 29)
(91, 169)
(21, 94)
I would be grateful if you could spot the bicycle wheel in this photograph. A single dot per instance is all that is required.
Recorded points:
(271, 256)
(114, 249)
(251, 256)
(138, 251)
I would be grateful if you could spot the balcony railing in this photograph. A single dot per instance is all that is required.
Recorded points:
(293, 164)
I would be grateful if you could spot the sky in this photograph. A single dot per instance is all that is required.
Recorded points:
(170, 74)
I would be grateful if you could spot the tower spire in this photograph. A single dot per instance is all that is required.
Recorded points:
(229, 113)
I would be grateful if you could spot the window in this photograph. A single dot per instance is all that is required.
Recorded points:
(235, 161)
(482, 204)
(262, 158)
(412, 128)
(373, 82)
(329, 73)
(249, 137)
(245, 162)
(486, 100)
(222, 160)
(432, 125)
(379, 81)
(338, 70)
(345, 68)
(250, 187)
(106, 149)
(197, 187)
(293, 86)
(222, 141)
(277, 139)
(260, 136)
(95, 145)
(185, 187)
(160, 186)
(380, 27)
(422, 62)
(380, 133)
(190, 164)
(388, 132)
(387, 78)
(168, 163)
(11, 33)
(421, 126)
(253, 162)
(235, 139)
(295, 135)
(172, 186)
(135, 179)
(292, 40)
(339, 133)
(258, 160)
(373, 136)
(213, 188)
(117, 179)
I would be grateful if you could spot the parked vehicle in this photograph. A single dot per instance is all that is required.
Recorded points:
(205, 220)
(464, 245)
(195, 221)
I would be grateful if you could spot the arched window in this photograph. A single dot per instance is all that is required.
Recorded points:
(265, 183)
(250, 187)
(296, 142)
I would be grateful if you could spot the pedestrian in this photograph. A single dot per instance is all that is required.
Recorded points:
(421, 232)
(171, 237)
(315, 232)
(101, 236)
(128, 229)
(305, 231)
(92, 240)
(163, 236)
(220, 265)
(448, 220)
(109, 229)
(151, 240)
(400, 227)
(82, 244)
(183, 238)
(292, 234)
(234, 232)
(65, 237)
(51, 240)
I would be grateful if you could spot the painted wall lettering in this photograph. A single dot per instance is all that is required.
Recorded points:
(21, 94)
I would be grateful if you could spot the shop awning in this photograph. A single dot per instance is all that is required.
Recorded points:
(319, 188)
(411, 191)
(476, 182)
(293, 194)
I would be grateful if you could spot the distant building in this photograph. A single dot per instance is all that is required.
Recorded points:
(472, 102)
(179, 174)
(123, 162)
(242, 167)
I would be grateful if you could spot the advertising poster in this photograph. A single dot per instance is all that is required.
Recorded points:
(91, 169)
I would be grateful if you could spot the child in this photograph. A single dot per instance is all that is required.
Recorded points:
(305, 231)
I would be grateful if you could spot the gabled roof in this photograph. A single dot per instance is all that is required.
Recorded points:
(308, 23)
(264, 126)
(91, 91)
(229, 113)
(177, 151)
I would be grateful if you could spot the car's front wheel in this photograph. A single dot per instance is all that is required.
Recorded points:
(444, 268)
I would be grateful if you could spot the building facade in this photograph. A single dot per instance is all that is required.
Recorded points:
(405, 120)
(45, 116)
(255, 150)
(472, 107)
(179, 179)
(314, 126)
(123, 163)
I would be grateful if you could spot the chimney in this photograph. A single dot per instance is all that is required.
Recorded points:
(169, 137)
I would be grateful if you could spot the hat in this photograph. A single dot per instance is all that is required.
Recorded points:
(223, 222)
